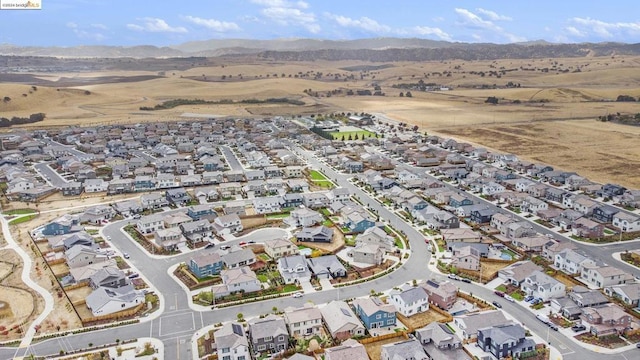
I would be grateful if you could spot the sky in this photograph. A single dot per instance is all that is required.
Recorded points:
(166, 23)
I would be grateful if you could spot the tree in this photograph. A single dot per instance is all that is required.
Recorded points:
(401, 94)
(350, 138)
(408, 94)
(343, 137)
(356, 136)
(240, 317)
(492, 100)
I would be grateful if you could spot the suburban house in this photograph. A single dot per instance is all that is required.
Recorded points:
(303, 217)
(315, 234)
(584, 297)
(601, 276)
(626, 222)
(197, 231)
(341, 321)
(534, 243)
(442, 295)
(81, 255)
(278, 248)
(294, 269)
(466, 257)
(405, 350)
(231, 342)
(350, 349)
(105, 301)
(374, 313)
(169, 239)
(439, 335)
(97, 215)
(367, 254)
(543, 286)
(326, 267)
(505, 340)
(227, 224)
(410, 301)
(627, 293)
(376, 236)
(606, 319)
(153, 201)
(268, 334)
(237, 257)
(303, 322)
(199, 212)
(108, 277)
(238, 280)
(150, 223)
(63, 225)
(572, 261)
(470, 323)
(518, 271)
(202, 265)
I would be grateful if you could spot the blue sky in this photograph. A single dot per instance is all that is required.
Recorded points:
(164, 23)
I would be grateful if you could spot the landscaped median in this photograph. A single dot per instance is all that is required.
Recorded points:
(19, 216)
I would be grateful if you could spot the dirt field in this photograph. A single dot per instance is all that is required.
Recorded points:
(337, 243)
(420, 320)
(23, 303)
(373, 349)
(489, 269)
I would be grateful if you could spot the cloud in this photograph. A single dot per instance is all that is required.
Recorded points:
(425, 30)
(604, 29)
(72, 25)
(215, 25)
(82, 33)
(486, 23)
(364, 23)
(575, 32)
(492, 15)
(156, 25)
(288, 13)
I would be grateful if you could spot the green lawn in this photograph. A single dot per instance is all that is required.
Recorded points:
(399, 244)
(290, 288)
(501, 288)
(337, 135)
(20, 212)
(327, 223)
(277, 216)
(316, 175)
(263, 278)
(21, 219)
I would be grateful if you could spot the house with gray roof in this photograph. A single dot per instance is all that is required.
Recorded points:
(303, 217)
(348, 350)
(505, 340)
(104, 301)
(238, 257)
(108, 277)
(231, 342)
(584, 297)
(315, 234)
(572, 261)
(406, 350)
(326, 267)
(410, 301)
(341, 321)
(470, 323)
(543, 286)
(269, 334)
(518, 271)
(628, 293)
(305, 321)
(239, 280)
(293, 269)
(440, 335)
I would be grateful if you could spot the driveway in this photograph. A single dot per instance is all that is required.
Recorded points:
(326, 284)
(307, 287)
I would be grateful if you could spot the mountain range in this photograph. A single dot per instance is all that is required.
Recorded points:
(373, 49)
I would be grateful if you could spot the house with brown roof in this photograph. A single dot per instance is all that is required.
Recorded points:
(442, 295)
(606, 319)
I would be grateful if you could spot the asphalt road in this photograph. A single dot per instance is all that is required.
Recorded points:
(232, 160)
(177, 323)
(82, 156)
(50, 175)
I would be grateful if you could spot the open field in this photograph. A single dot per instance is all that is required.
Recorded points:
(549, 118)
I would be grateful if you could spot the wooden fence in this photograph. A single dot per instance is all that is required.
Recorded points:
(392, 335)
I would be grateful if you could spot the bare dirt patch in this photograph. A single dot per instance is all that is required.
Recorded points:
(373, 348)
(330, 248)
(422, 319)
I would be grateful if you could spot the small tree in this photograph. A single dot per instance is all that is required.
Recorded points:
(408, 94)
(240, 317)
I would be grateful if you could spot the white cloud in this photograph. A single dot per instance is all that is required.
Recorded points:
(364, 23)
(156, 25)
(425, 30)
(492, 15)
(438, 19)
(485, 22)
(604, 29)
(215, 25)
(575, 32)
(287, 16)
(72, 25)
(282, 3)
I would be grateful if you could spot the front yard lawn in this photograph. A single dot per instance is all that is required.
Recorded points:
(317, 176)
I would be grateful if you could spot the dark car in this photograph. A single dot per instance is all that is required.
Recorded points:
(528, 298)
(465, 280)
(578, 327)
(499, 293)
(553, 326)
(497, 304)
(209, 245)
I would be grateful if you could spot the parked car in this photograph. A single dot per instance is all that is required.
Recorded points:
(297, 295)
(497, 304)
(578, 327)
(209, 245)
(125, 255)
(542, 318)
(509, 298)
(224, 247)
(638, 345)
(553, 326)
(452, 276)
(465, 280)
(134, 275)
(499, 293)
(528, 298)
(242, 243)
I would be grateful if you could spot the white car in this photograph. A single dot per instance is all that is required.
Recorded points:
(509, 298)
(297, 295)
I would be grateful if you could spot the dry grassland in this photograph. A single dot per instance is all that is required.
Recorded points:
(562, 132)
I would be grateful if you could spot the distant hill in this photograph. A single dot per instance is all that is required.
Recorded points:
(374, 49)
